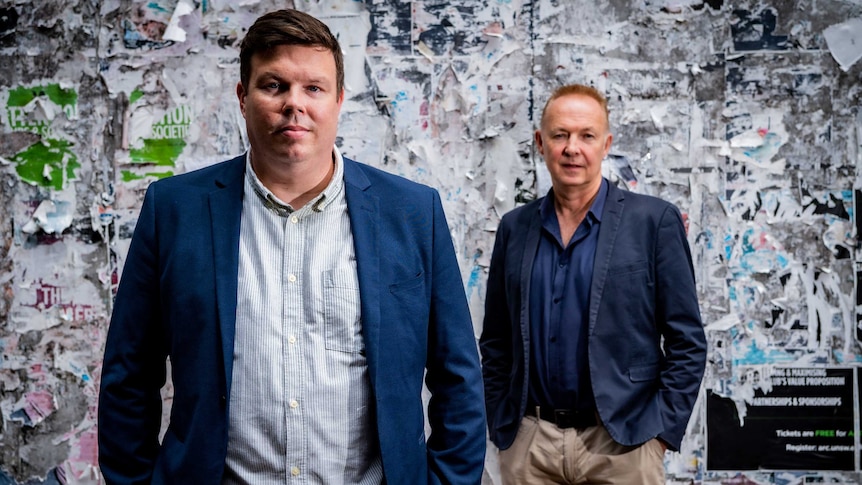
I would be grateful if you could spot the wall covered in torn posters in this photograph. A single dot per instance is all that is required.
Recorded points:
(745, 114)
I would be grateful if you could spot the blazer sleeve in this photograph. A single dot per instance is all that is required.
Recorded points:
(678, 317)
(133, 369)
(496, 341)
(456, 445)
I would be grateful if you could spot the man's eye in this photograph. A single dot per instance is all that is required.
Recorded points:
(274, 86)
(313, 88)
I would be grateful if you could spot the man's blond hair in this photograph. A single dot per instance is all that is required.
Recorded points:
(579, 89)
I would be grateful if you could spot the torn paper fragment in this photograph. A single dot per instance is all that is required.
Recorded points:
(502, 154)
(82, 466)
(33, 408)
(9, 381)
(657, 113)
(501, 196)
(845, 42)
(173, 30)
(71, 362)
(620, 165)
(51, 217)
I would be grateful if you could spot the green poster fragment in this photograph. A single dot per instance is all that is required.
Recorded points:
(159, 151)
(166, 140)
(48, 164)
(22, 96)
(135, 95)
(129, 176)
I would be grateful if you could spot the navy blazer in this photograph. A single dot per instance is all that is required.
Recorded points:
(177, 299)
(643, 291)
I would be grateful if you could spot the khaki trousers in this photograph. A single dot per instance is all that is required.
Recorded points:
(543, 453)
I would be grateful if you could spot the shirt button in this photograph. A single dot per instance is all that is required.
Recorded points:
(291, 339)
(294, 404)
(294, 219)
(294, 471)
(291, 278)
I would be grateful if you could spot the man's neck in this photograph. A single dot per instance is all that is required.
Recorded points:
(571, 206)
(294, 183)
(576, 200)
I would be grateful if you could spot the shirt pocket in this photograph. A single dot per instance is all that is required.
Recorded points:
(341, 310)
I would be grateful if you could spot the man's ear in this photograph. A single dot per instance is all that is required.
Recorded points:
(608, 141)
(241, 94)
(539, 145)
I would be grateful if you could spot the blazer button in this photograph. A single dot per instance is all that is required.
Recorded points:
(223, 401)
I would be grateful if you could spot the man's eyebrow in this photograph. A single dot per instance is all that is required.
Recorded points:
(266, 74)
(316, 80)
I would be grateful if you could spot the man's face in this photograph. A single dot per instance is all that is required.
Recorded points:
(573, 140)
(291, 105)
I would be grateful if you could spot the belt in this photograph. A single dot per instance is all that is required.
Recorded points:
(565, 418)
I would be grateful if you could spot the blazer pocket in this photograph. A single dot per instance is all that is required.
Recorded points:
(640, 373)
(628, 267)
(408, 284)
(408, 308)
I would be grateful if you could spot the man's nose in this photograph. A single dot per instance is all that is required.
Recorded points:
(292, 100)
(572, 147)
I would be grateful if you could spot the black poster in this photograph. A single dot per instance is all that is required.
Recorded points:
(804, 423)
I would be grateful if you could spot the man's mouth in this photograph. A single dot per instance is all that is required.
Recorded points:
(292, 130)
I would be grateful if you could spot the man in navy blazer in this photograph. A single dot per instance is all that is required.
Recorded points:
(273, 381)
(593, 348)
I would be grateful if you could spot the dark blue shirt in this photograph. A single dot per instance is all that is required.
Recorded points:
(559, 309)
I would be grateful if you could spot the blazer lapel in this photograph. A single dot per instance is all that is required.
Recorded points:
(225, 205)
(362, 208)
(608, 230)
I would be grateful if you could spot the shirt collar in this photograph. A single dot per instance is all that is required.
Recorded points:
(317, 204)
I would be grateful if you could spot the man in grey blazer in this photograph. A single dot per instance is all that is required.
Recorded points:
(592, 348)
(301, 297)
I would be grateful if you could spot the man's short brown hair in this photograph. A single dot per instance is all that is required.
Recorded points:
(581, 89)
(288, 27)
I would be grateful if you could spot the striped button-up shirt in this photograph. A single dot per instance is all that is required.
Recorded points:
(301, 408)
